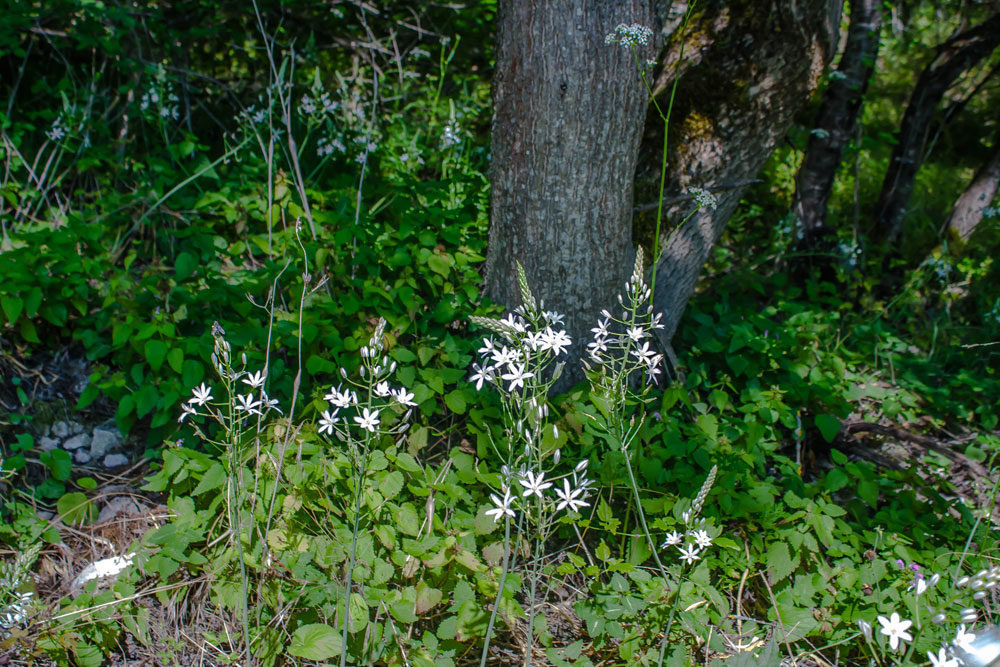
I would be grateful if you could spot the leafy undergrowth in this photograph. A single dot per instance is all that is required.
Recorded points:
(847, 430)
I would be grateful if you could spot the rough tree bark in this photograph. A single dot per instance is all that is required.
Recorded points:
(567, 121)
(978, 196)
(837, 116)
(748, 67)
(951, 60)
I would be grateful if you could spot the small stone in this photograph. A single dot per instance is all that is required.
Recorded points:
(47, 444)
(75, 428)
(60, 429)
(118, 506)
(103, 441)
(115, 460)
(46, 429)
(77, 441)
(81, 456)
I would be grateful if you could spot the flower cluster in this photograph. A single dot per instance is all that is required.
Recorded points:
(450, 136)
(695, 538)
(572, 497)
(704, 198)
(163, 101)
(322, 104)
(629, 35)
(326, 146)
(378, 396)
(524, 350)
(254, 402)
(624, 346)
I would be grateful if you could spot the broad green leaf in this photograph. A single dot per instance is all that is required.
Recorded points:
(156, 352)
(12, 307)
(176, 359)
(391, 484)
(779, 562)
(828, 425)
(74, 508)
(427, 598)
(315, 641)
(213, 478)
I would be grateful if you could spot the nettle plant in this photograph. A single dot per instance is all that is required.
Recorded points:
(532, 496)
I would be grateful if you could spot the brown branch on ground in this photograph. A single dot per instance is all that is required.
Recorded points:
(927, 442)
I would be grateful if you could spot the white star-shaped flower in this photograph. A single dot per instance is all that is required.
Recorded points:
(247, 403)
(601, 330)
(702, 539)
(188, 410)
(557, 341)
(502, 506)
(327, 421)
(895, 629)
(255, 380)
(481, 375)
(202, 395)
(963, 639)
(673, 539)
(942, 659)
(487, 348)
(689, 554)
(517, 375)
(570, 498)
(534, 485)
(382, 389)
(368, 420)
(403, 397)
(644, 354)
(340, 399)
(636, 333)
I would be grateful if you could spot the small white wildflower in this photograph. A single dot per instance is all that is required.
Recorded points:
(255, 380)
(964, 639)
(341, 399)
(702, 539)
(382, 389)
(941, 659)
(327, 421)
(487, 348)
(636, 333)
(202, 395)
(601, 330)
(306, 105)
(368, 420)
(517, 375)
(568, 498)
(895, 629)
(404, 397)
(57, 132)
(689, 554)
(629, 35)
(866, 629)
(248, 404)
(534, 485)
(644, 353)
(450, 136)
(502, 506)
(187, 410)
(704, 198)
(481, 375)
(673, 539)
(557, 341)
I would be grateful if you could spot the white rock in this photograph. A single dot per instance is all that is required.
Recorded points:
(108, 567)
(81, 456)
(118, 506)
(103, 441)
(115, 460)
(75, 428)
(60, 429)
(77, 441)
(47, 444)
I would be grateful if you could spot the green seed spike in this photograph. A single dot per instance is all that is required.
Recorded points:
(493, 324)
(638, 270)
(527, 300)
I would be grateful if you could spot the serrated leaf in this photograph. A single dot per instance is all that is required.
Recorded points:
(391, 484)
(779, 562)
(213, 478)
(427, 598)
(315, 641)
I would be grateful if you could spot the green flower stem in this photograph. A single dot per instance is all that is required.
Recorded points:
(353, 558)
(539, 539)
(503, 582)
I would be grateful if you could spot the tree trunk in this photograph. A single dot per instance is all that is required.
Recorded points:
(748, 67)
(952, 59)
(567, 121)
(977, 197)
(837, 116)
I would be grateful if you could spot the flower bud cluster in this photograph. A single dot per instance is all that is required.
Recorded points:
(629, 35)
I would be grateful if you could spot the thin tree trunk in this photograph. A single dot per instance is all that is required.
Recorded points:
(749, 66)
(952, 59)
(568, 118)
(977, 197)
(837, 116)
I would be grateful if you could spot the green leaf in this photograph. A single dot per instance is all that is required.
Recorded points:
(779, 562)
(315, 641)
(391, 484)
(406, 519)
(709, 425)
(176, 359)
(829, 426)
(358, 610)
(59, 462)
(427, 598)
(12, 307)
(455, 401)
(213, 478)
(185, 266)
(75, 508)
(32, 301)
(156, 352)
(145, 400)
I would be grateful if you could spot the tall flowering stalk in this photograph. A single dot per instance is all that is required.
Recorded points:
(363, 411)
(520, 362)
(242, 416)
